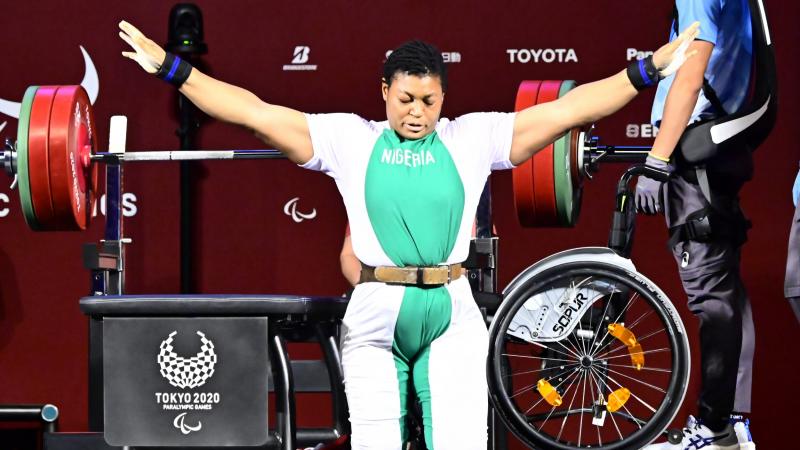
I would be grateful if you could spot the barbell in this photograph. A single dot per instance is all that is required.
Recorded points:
(55, 160)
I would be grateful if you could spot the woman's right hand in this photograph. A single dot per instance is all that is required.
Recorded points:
(147, 53)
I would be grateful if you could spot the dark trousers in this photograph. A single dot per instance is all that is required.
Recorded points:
(710, 275)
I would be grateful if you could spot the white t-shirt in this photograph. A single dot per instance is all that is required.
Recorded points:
(349, 148)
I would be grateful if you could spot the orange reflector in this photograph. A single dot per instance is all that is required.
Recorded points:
(627, 337)
(549, 393)
(617, 399)
(637, 356)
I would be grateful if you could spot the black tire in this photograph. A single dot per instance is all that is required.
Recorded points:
(597, 363)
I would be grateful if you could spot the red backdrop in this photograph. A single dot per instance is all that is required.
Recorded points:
(244, 241)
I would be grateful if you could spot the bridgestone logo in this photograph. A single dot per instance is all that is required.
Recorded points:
(299, 59)
(187, 372)
(545, 55)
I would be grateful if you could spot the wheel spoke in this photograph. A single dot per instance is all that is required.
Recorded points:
(638, 422)
(658, 350)
(597, 379)
(637, 380)
(538, 344)
(607, 333)
(542, 399)
(583, 403)
(530, 386)
(566, 391)
(573, 353)
(622, 347)
(653, 410)
(539, 370)
(602, 318)
(642, 317)
(574, 394)
(653, 369)
(536, 357)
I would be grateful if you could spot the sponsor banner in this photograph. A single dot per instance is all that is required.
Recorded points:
(451, 57)
(632, 53)
(129, 206)
(185, 381)
(448, 57)
(300, 58)
(541, 55)
(641, 130)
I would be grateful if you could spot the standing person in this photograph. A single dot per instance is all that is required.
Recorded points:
(411, 186)
(706, 224)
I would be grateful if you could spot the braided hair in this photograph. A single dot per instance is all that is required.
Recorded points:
(415, 58)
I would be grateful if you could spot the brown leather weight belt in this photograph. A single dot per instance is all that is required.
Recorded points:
(415, 276)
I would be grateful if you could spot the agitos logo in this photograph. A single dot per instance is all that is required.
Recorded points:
(290, 209)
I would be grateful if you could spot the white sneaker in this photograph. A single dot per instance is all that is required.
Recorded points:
(697, 436)
(741, 427)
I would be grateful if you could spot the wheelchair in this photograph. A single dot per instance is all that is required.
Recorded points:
(585, 351)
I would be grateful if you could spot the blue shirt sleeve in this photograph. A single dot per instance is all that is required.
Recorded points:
(706, 12)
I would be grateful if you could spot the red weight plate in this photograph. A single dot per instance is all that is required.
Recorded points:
(544, 182)
(71, 142)
(522, 175)
(38, 157)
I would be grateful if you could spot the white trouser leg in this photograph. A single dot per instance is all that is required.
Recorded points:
(370, 374)
(457, 374)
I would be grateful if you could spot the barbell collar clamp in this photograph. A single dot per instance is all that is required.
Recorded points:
(9, 158)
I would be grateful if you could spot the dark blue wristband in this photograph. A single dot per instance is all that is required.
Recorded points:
(643, 73)
(174, 70)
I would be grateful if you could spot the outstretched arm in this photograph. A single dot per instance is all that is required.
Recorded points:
(282, 128)
(539, 125)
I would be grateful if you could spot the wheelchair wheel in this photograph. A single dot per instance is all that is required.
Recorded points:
(586, 353)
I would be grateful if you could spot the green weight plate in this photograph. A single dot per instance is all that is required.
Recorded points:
(562, 170)
(23, 177)
(563, 182)
(544, 186)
